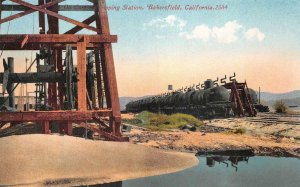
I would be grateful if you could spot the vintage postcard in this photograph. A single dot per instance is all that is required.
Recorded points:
(150, 93)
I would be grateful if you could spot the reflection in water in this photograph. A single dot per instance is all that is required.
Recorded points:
(211, 160)
(113, 184)
(260, 171)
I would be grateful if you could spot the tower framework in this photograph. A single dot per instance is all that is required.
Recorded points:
(51, 37)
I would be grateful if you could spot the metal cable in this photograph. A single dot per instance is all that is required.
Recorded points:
(6, 32)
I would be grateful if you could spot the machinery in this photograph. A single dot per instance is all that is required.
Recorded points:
(65, 93)
(208, 101)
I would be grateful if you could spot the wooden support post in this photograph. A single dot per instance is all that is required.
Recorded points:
(68, 128)
(81, 70)
(45, 127)
(109, 71)
(41, 19)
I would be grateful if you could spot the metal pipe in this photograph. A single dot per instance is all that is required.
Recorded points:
(10, 85)
(34, 77)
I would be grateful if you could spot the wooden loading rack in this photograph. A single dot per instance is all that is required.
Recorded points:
(241, 98)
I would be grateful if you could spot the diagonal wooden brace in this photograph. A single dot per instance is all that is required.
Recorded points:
(51, 13)
(78, 28)
(21, 14)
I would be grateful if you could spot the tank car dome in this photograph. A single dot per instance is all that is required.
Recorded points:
(208, 84)
(219, 93)
(253, 95)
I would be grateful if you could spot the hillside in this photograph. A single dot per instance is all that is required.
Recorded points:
(267, 96)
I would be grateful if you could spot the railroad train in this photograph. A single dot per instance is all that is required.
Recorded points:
(209, 101)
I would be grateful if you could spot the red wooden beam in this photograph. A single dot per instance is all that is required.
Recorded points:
(24, 41)
(53, 115)
(51, 13)
(57, 38)
(78, 28)
(81, 8)
(32, 46)
(21, 14)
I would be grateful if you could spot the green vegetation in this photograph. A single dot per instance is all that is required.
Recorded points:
(239, 131)
(161, 122)
(133, 121)
(280, 107)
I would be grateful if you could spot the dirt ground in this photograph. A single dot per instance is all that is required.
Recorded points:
(266, 134)
(279, 125)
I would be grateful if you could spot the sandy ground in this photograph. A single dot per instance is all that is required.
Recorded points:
(32, 160)
(284, 125)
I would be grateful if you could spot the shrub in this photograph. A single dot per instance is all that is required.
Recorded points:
(280, 107)
(163, 121)
(239, 131)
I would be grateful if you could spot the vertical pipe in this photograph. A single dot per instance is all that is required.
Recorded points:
(37, 84)
(10, 85)
(60, 85)
(91, 80)
(27, 95)
(99, 78)
(259, 95)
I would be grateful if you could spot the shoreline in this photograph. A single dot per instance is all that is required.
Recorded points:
(194, 142)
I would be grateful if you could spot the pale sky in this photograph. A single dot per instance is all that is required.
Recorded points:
(259, 40)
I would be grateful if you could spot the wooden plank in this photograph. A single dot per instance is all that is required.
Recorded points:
(57, 38)
(32, 46)
(81, 69)
(60, 8)
(51, 13)
(52, 115)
